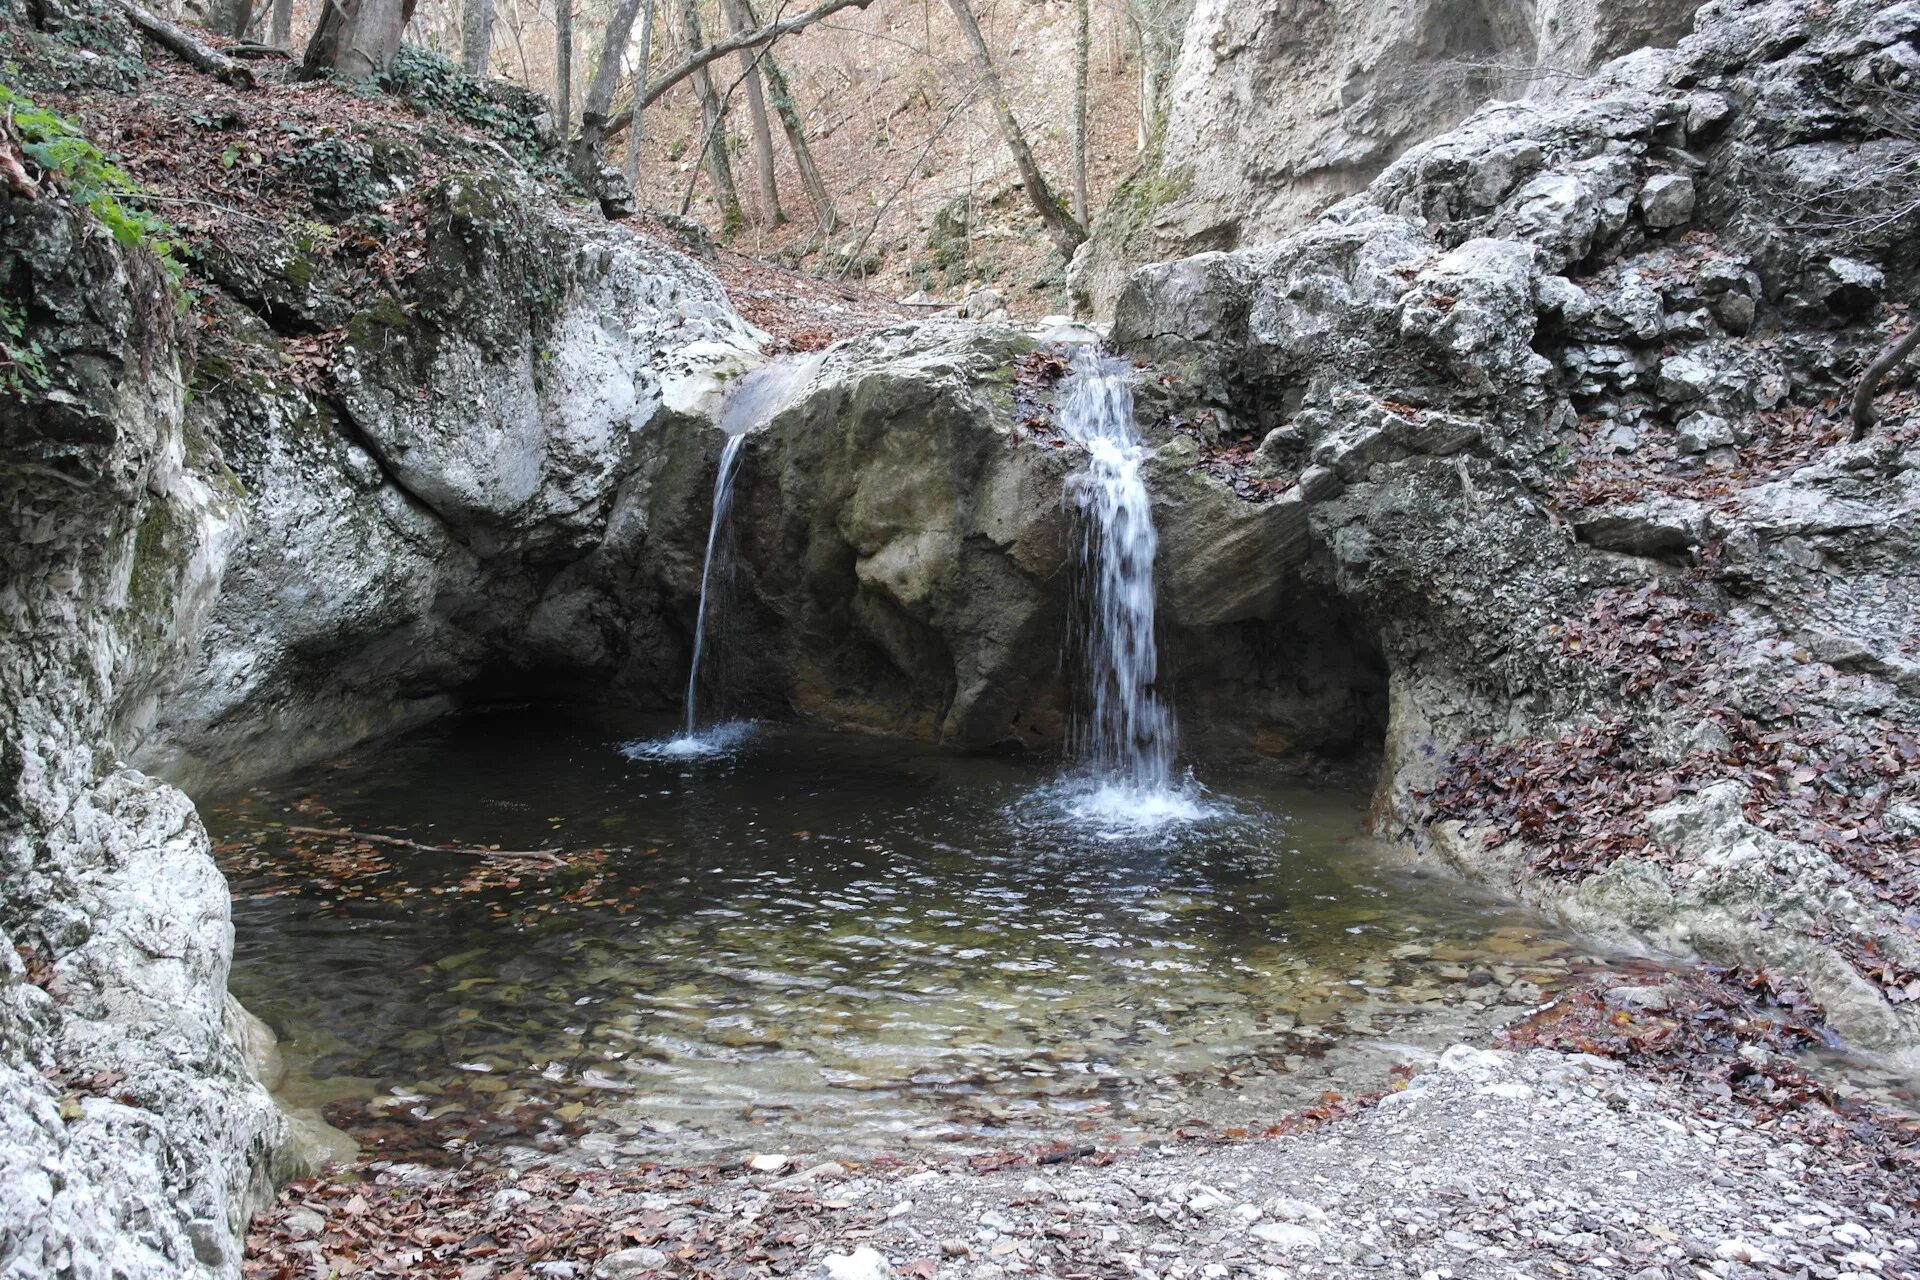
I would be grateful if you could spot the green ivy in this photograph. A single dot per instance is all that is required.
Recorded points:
(87, 178)
(23, 365)
(429, 82)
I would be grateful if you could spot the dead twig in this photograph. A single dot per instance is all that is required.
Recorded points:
(540, 857)
(1863, 414)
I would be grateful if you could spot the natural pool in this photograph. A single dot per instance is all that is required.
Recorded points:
(829, 943)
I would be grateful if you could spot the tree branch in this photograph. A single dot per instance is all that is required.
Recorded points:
(540, 857)
(1863, 414)
(720, 49)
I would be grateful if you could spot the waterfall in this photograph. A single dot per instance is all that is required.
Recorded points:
(716, 540)
(1126, 736)
(752, 402)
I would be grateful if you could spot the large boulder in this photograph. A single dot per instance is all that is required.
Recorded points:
(405, 532)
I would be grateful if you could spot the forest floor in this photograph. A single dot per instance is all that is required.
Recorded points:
(1649, 1131)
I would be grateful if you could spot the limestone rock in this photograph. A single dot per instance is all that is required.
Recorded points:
(1277, 111)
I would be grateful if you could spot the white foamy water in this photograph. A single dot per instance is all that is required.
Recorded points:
(1126, 738)
(714, 740)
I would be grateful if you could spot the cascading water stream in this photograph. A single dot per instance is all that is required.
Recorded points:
(1126, 737)
(754, 400)
(716, 528)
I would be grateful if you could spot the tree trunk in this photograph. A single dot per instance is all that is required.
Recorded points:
(1864, 415)
(357, 38)
(635, 131)
(713, 125)
(229, 17)
(280, 32)
(1061, 227)
(185, 46)
(1082, 47)
(781, 92)
(771, 214)
(563, 65)
(583, 159)
(476, 36)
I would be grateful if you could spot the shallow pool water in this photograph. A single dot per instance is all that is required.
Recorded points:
(820, 942)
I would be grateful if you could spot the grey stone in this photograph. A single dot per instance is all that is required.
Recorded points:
(1667, 200)
(1699, 432)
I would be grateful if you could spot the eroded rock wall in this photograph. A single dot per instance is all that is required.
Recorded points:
(441, 514)
(133, 1140)
(1279, 109)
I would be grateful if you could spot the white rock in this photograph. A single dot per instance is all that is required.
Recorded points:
(864, 1263)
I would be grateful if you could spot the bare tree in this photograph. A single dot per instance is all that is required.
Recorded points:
(476, 36)
(281, 27)
(761, 133)
(1158, 26)
(698, 59)
(781, 94)
(1082, 46)
(563, 64)
(357, 38)
(584, 157)
(1864, 415)
(640, 71)
(712, 118)
(1064, 231)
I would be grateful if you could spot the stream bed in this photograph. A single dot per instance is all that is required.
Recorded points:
(824, 943)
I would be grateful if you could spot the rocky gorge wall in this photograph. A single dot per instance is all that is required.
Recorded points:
(134, 1139)
(1564, 388)
(1278, 110)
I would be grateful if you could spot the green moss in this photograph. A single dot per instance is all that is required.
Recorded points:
(150, 583)
(1142, 193)
(377, 322)
(23, 365)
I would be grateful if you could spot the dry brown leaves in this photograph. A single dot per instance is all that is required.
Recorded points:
(1579, 801)
(1783, 441)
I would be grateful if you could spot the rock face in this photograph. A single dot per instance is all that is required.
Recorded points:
(427, 525)
(1556, 395)
(1279, 109)
(133, 1141)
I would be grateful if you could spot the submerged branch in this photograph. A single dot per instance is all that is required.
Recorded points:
(541, 857)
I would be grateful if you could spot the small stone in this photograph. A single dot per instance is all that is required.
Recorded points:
(630, 1264)
(864, 1263)
(1667, 200)
(1699, 432)
(1683, 378)
(768, 1163)
(302, 1223)
(1286, 1235)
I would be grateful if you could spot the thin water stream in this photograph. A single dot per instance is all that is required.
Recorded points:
(835, 944)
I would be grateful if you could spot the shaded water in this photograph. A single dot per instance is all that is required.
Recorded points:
(828, 943)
